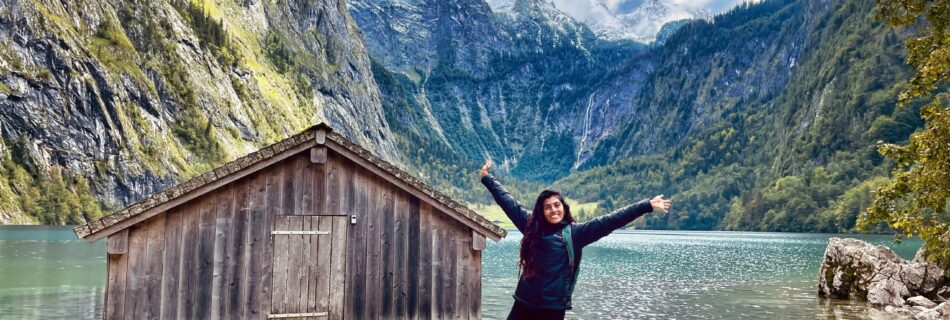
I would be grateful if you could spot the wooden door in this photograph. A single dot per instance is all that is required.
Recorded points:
(309, 257)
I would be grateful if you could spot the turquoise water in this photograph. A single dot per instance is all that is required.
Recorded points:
(691, 275)
(45, 272)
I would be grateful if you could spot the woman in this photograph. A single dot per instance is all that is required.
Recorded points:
(551, 247)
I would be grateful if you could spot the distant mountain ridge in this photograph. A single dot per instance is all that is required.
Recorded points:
(719, 112)
(762, 118)
(641, 21)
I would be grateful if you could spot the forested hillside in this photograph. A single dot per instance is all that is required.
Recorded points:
(764, 118)
(797, 157)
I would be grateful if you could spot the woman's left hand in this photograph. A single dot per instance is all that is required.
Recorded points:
(660, 204)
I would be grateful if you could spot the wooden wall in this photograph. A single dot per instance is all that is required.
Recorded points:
(211, 257)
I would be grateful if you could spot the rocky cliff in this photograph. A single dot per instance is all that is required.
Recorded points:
(124, 98)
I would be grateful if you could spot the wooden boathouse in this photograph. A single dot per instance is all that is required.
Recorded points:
(312, 227)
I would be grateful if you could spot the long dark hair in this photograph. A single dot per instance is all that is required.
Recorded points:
(532, 234)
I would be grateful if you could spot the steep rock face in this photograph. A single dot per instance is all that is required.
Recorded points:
(418, 35)
(558, 100)
(137, 96)
(517, 108)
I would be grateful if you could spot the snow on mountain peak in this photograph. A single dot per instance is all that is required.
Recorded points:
(639, 20)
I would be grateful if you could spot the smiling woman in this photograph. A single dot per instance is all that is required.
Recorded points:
(550, 253)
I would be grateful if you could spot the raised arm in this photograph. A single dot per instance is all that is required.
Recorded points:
(508, 204)
(589, 232)
(513, 209)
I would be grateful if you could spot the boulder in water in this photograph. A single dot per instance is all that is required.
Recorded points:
(941, 311)
(921, 301)
(853, 268)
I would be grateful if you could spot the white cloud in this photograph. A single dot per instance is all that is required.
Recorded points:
(639, 19)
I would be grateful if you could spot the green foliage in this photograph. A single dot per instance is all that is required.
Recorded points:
(914, 201)
(113, 49)
(192, 128)
(799, 159)
(288, 61)
(49, 196)
(211, 32)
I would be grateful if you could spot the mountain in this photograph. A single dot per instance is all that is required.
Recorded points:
(115, 100)
(761, 118)
(783, 104)
(637, 20)
(538, 64)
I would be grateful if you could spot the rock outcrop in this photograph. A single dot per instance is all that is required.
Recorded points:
(136, 96)
(854, 269)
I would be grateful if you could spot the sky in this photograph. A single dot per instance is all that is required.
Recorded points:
(620, 17)
(580, 8)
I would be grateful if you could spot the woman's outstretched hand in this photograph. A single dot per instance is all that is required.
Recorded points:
(486, 167)
(659, 204)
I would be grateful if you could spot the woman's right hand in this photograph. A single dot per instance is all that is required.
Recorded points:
(485, 168)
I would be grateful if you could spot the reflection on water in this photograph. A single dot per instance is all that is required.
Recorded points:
(45, 273)
(691, 275)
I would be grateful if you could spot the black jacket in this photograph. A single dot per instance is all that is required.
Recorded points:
(551, 288)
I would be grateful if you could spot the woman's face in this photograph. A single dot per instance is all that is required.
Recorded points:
(553, 210)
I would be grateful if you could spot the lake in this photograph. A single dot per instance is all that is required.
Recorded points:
(45, 272)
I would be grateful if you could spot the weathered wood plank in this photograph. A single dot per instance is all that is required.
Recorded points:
(333, 185)
(388, 267)
(438, 274)
(425, 262)
(115, 292)
(476, 287)
(320, 136)
(356, 255)
(303, 178)
(172, 265)
(318, 154)
(287, 188)
(154, 265)
(236, 248)
(323, 271)
(188, 262)
(478, 241)
(345, 170)
(451, 272)
(136, 300)
(294, 263)
(281, 253)
(224, 202)
(205, 258)
(118, 243)
(368, 201)
(272, 209)
(463, 260)
(307, 277)
(401, 204)
(319, 173)
(412, 259)
(220, 230)
(338, 266)
(256, 234)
